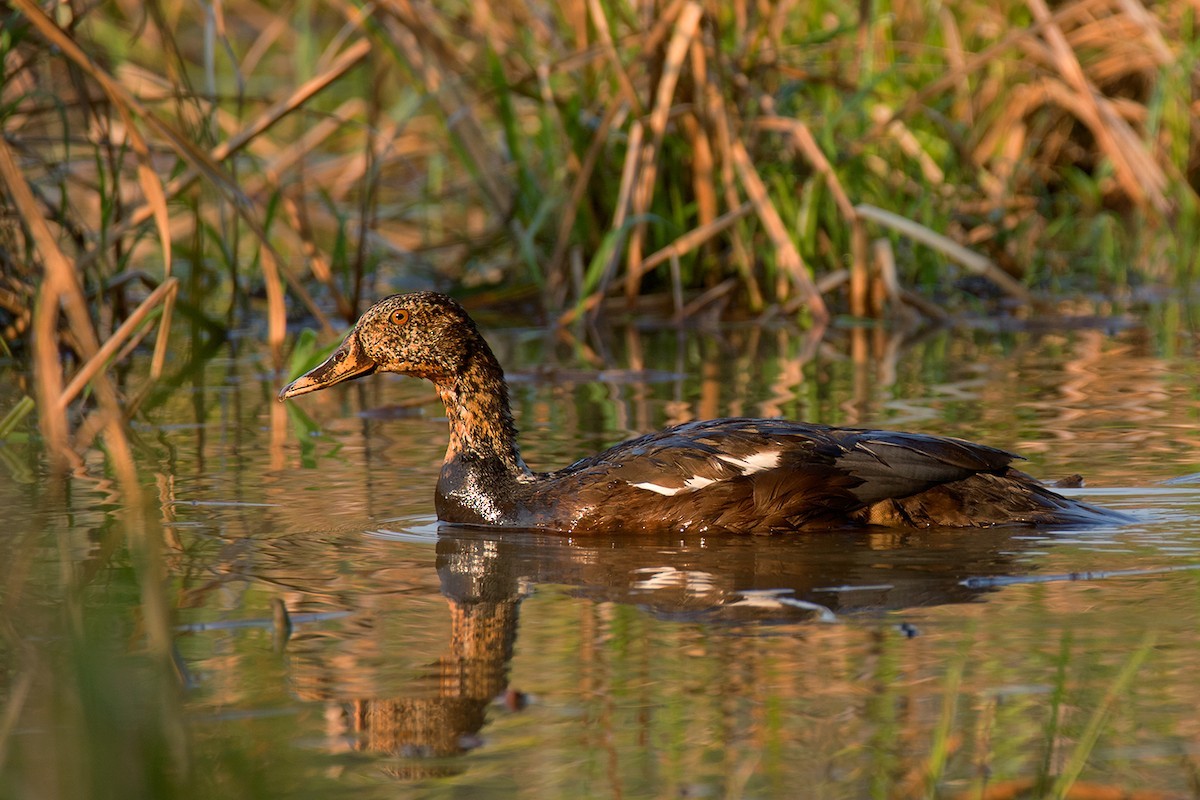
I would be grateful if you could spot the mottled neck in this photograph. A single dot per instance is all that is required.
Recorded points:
(481, 422)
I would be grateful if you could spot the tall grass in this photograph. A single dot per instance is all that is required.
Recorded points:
(782, 157)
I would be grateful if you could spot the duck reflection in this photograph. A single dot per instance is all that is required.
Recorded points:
(449, 704)
(733, 581)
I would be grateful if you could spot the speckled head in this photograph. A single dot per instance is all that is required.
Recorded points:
(423, 334)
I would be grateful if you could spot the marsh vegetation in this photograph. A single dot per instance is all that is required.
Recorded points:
(204, 593)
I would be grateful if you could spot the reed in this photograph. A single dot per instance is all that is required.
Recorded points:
(799, 158)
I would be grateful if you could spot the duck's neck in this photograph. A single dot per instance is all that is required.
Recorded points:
(481, 422)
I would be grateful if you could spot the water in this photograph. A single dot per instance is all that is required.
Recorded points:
(426, 661)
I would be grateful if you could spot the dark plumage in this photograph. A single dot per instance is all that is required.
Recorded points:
(735, 475)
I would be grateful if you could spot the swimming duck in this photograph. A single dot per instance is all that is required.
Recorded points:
(722, 475)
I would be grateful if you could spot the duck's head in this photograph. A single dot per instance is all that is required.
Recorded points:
(424, 334)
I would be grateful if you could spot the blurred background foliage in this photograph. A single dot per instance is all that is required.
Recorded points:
(259, 161)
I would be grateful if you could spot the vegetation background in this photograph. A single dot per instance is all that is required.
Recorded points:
(220, 169)
(244, 162)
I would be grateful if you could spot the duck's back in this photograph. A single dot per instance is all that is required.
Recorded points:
(762, 476)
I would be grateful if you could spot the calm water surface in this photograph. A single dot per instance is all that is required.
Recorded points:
(431, 661)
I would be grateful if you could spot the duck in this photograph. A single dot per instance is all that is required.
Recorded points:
(732, 475)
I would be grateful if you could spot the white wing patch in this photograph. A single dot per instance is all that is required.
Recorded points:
(756, 462)
(690, 485)
(654, 487)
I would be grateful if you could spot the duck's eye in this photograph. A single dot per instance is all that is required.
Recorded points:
(399, 316)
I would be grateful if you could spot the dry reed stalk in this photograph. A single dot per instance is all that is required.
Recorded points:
(276, 308)
(591, 303)
(702, 170)
(319, 265)
(1116, 67)
(1054, 90)
(60, 291)
(1118, 46)
(1018, 788)
(1140, 177)
(135, 341)
(555, 281)
(832, 280)
(125, 104)
(159, 359)
(722, 132)
(974, 262)
(274, 29)
(889, 286)
(583, 59)
(1137, 13)
(697, 236)
(47, 370)
(702, 150)
(955, 56)
(886, 287)
(708, 297)
(575, 12)
(677, 49)
(624, 201)
(663, 24)
(421, 48)
(100, 360)
(286, 157)
(908, 143)
(989, 55)
(786, 255)
(209, 165)
(1022, 99)
(860, 300)
(49, 381)
(803, 140)
(774, 29)
(604, 35)
(341, 64)
(633, 154)
(275, 272)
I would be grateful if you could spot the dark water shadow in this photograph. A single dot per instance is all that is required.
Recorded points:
(742, 583)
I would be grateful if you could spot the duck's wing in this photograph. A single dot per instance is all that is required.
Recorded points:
(891, 464)
(751, 474)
